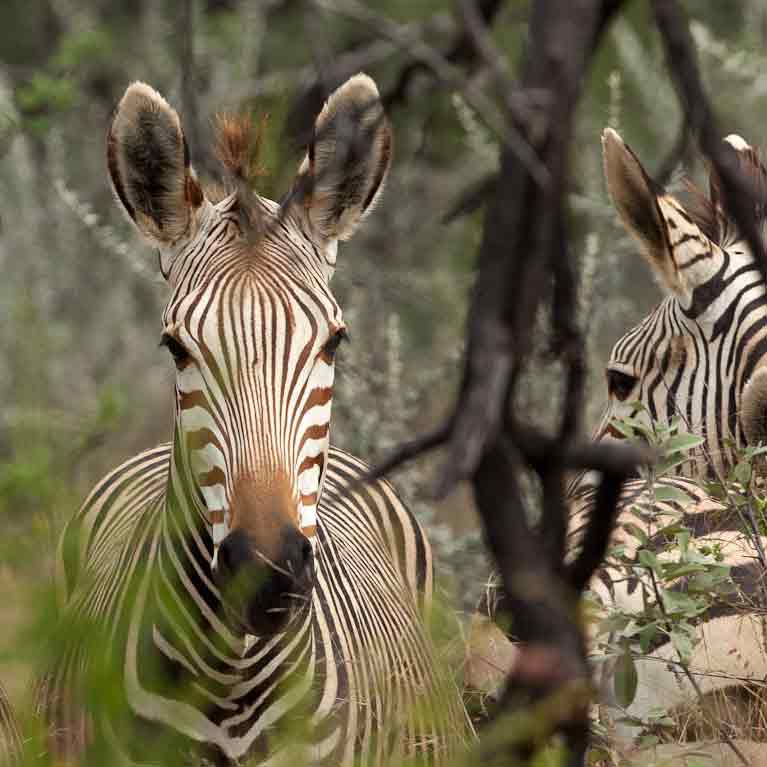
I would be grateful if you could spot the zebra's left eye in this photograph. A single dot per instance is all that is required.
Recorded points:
(331, 345)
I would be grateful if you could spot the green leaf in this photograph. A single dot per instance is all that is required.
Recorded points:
(742, 473)
(648, 559)
(623, 428)
(646, 636)
(681, 443)
(613, 622)
(680, 604)
(625, 680)
(668, 493)
(636, 532)
(683, 645)
(673, 571)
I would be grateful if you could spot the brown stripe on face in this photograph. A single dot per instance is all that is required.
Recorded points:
(213, 477)
(309, 500)
(189, 400)
(198, 439)
(318, 398)
(311, 461)
(313, 432)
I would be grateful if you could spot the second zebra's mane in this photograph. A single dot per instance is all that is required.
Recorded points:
(708, 211)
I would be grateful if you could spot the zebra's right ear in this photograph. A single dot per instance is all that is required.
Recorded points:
(149, 167)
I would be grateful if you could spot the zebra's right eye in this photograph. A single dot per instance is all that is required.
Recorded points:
(620, 384)
(176, 348)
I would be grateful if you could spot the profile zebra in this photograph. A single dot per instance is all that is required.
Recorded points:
(701, 355)
(241, 592)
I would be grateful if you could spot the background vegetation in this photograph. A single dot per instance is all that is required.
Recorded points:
(82, 382)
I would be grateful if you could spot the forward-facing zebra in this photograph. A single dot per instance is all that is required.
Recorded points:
(243, 599)
(10, 738)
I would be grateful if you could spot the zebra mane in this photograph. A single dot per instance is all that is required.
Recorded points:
(707, 211)
(238, 148)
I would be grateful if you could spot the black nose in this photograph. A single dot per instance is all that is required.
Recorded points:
(293, 562)
(234, 553)
(298, 555)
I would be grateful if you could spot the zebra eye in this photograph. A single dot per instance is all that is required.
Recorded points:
(176, 348)
(331, 345)
(619, 384)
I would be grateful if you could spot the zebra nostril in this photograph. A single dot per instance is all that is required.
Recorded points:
(307, 557)
(234, 553)
(299, 555)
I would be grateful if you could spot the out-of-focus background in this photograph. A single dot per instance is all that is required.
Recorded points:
(83, 384)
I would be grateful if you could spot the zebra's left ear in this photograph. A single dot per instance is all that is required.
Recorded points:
(679, 253)
(346, 163)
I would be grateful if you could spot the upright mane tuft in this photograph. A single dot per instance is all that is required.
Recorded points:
(238, 148)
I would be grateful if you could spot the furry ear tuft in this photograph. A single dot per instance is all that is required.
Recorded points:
(346, 165)
(637, 199)
(148, 162)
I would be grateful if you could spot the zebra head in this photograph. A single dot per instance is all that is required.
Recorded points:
(252, 326)
(700, 355)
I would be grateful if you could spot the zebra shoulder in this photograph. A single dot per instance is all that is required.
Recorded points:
(378, 511)
(116, 503)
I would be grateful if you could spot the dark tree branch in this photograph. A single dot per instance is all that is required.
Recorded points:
(462, 51)
(683, 68)
(675, 156)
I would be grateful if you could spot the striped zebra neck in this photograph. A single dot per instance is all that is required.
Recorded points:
(202, 678)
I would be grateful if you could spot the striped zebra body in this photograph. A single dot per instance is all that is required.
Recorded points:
(358, 654)
(240, 598)
(10, 737)
(729, 659)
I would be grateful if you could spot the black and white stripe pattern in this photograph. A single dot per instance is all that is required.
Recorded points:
(701, 355)
(240, 594)
(729, 661)
(357, 654)
(10, 737)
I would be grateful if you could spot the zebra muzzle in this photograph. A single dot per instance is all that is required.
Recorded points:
(261, 593)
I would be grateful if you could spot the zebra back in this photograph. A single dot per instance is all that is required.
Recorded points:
(728, 663)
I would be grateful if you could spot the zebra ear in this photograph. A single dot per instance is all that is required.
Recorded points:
(347, 161)
(149, 167)
(679, 253)
(635, 196)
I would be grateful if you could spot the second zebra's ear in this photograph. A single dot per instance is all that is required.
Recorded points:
(149, 167)
(680, 255)
(635, 196)
(347, 162)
